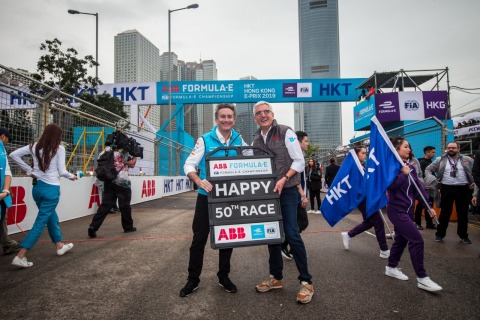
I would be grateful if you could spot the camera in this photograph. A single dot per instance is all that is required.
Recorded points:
(118, 140)
(134, 148)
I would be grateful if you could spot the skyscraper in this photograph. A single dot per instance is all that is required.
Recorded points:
(199, 118)
(245, 124)
(319, 58)
(136, 59)
(202, 115)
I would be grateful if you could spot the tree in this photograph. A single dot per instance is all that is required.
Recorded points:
(64, 70)
(311, 150)
(68, 73)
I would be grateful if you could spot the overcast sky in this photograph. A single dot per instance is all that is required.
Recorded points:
(260, 37)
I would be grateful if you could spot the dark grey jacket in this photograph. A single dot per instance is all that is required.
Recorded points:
(276, 145)
(438, 168)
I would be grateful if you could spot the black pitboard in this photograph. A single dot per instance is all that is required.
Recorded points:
(243, 209)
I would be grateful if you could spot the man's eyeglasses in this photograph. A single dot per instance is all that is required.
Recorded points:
(265, 112)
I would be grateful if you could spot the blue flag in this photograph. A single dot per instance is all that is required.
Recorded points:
(346, 192)
(383, 165)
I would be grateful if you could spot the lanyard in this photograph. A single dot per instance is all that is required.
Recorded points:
(453, 165)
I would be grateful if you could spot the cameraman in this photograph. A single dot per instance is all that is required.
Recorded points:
(119, 188)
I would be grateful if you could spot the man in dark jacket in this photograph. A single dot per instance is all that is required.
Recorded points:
(454, 172)
(331, 171)
(429, 154)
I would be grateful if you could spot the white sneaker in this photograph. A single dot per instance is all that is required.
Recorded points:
(427, 284)
(311, 211)
(318, 212)
(22, 263)
(66, 247)
(395, 273)
(346, 238)
(384, 254)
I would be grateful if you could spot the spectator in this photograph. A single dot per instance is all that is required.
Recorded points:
(289, 161)
(429, 154)
(476, 166)
(362, 95)
(454, 173)
(371, 92)
(48, 166)
(9, 245)
(331, 171)
(314, 183)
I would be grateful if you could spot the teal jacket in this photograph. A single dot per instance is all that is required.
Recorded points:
(211, 143)
(3, 166)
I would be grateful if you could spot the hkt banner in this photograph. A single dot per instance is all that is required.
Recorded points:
(401, 106)
(237, 91)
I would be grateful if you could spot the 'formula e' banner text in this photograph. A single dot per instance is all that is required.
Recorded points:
(240, 167)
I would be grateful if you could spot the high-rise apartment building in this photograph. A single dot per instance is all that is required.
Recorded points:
(136, 59)
(319, 58)
(164, 67)
(202, 115)
(245, 123)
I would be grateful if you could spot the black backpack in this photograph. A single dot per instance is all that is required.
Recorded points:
(106, 170)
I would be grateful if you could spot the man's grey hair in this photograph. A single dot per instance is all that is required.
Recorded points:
(260, 103)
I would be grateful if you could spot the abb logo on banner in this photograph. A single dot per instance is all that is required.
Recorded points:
(148, 188)
(233, 234)
(220, 166)
(18, 211)
(174, 88)
(94, 197)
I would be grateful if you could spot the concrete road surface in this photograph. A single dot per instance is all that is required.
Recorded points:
(139, 275)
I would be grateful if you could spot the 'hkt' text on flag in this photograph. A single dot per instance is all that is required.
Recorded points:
(346, 191)
(383, 165)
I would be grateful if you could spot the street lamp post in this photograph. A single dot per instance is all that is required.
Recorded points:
(96, 42)
(192, 6)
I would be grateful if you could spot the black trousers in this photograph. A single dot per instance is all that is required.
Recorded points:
(201, 230)
(418, 214)
(111, 193)
(315, 194)
(461, 196)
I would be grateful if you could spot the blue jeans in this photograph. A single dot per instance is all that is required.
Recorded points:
(46, 197)
(288, 203)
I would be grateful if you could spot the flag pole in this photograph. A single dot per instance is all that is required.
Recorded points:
(430, 210)
(386, 224)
